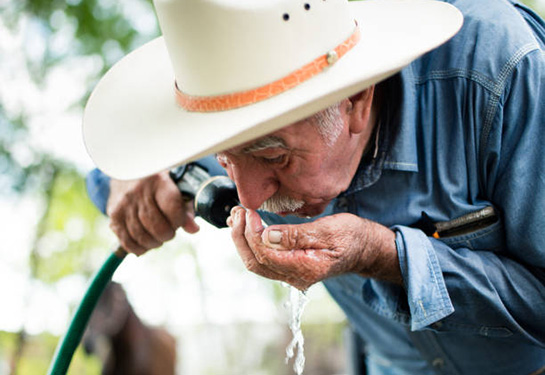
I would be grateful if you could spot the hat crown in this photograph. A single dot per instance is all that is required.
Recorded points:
(219, 47)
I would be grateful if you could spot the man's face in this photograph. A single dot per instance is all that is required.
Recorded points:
(295, 170)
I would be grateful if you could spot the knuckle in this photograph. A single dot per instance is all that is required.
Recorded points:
(157, 227)
(292, 238)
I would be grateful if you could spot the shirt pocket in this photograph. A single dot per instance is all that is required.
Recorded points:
(490, 238)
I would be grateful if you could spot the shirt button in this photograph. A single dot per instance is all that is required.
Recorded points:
(438, 362)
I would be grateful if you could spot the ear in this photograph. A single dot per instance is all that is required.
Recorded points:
(359, 110)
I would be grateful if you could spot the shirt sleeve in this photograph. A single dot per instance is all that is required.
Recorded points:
(428, 297)
(98, 189)
(499, 291)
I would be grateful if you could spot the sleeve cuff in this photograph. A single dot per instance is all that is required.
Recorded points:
(427, 294)
(98, 188)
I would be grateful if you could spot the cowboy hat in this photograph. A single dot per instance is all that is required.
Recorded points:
(229, 71)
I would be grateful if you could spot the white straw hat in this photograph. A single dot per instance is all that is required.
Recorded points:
(228, 71)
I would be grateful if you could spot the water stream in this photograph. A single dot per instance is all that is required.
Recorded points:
(295, 306)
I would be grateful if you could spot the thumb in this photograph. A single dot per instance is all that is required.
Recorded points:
(189, 224)
(294, 237)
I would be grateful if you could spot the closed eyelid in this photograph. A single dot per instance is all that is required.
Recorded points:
(274, 158)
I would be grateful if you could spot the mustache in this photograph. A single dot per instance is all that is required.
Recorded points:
(281, 203)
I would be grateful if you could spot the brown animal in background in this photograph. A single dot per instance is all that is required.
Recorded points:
(124, 343)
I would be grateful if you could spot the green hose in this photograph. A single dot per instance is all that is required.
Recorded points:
(66, 348)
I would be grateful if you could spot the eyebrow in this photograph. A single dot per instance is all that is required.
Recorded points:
(270, 141)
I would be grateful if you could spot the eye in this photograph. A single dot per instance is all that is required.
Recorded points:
(274, 160)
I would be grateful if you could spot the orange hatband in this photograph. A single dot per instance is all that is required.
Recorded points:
(239, 99)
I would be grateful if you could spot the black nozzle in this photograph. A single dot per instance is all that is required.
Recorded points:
(215, 199)
(213, 196)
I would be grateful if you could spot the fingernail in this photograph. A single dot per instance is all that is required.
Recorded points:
(275, 236)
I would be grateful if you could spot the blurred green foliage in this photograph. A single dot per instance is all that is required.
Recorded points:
(37, 355)
(70, 234)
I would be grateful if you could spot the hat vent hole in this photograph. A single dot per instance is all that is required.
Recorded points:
(286, 17)
(307, 6)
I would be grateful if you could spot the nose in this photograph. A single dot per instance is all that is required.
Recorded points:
(255, 183)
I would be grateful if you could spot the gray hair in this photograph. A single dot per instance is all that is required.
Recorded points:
(329, 123)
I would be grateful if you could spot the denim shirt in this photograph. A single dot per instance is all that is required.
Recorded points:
(470, 131)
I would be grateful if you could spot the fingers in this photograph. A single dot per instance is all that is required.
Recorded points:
(237, 221)
(246, 233)
(301, 254)
(132, 234)
(146, 213)
(139, 232)
(125, 239)
(175, 209)
(189, 224)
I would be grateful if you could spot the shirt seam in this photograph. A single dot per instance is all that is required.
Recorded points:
(498, 92)
(472, 75)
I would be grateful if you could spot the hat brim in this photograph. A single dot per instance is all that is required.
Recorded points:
(133, 127)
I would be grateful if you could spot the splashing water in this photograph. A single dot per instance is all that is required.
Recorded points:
(295, 306)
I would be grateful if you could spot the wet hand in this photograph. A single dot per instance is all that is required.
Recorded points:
(304, 254)
(145, 213)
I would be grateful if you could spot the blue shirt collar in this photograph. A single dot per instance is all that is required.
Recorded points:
(396, 136)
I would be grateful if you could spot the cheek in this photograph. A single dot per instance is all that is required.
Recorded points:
(312, 184)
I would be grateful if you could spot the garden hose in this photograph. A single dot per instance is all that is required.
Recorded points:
(66, 348)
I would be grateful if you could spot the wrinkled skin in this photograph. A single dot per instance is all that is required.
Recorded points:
(304, 254)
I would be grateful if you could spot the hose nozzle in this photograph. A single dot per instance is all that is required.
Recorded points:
(213, 197)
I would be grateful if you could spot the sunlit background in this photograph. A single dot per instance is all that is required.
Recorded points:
(226, 320)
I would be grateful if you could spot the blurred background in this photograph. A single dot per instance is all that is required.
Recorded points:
(52, 239)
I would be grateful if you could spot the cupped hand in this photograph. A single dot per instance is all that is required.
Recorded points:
(145, 213)
(304, 254)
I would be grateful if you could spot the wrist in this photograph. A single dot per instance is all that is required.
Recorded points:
(379, 258)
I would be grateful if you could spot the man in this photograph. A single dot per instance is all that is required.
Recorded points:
(434, 179)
